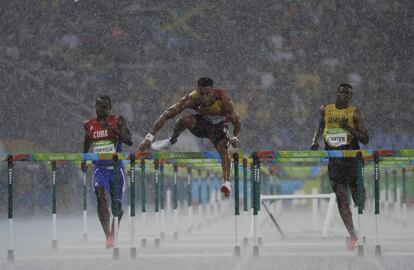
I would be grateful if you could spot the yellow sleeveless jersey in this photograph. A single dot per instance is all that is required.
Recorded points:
(214, 112)
(216, 108)
(333, 135)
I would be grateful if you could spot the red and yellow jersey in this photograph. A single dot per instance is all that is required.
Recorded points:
(213, 112)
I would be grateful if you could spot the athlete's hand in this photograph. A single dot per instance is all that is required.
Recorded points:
(234, 142)
(344, 124)
(315, 146)
(145, 144)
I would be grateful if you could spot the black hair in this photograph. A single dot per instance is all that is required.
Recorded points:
(205, 81)
(346, 86)
(104, 100)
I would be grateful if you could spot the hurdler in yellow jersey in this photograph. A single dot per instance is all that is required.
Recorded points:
(342, 128)
(335, 137)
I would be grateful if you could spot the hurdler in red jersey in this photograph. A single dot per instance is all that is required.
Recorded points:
(105, 134)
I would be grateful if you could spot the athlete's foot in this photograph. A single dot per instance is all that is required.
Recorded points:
(352, 243)
(159, 145)
(226, 189)
(110, 240)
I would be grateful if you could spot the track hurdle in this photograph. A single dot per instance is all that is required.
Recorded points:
(133, 249)
(10, 251)
(329, 213)
(236, 203)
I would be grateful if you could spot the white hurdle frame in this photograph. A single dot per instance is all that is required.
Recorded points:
(329, 212)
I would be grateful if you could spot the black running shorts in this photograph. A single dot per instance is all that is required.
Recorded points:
(206, 129)
(343, 170)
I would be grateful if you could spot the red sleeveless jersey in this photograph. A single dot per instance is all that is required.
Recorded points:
(96, 132)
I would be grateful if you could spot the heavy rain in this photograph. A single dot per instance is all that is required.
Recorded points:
(280, 62)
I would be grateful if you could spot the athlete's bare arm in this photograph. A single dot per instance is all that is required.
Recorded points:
(360, 132)
(186, 102)
(233, 117)
(86, 141)
(86, 146)
(319, 130)
(123, 131)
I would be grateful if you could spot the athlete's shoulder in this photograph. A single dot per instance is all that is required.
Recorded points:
(352, 108)
(324, 107)
(193, 94)
(88, 122)
(116, 120)
(220, 92)
(113, 117)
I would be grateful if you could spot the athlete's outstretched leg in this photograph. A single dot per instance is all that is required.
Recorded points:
(222, 149)
(187, 121)
(102, 209)
(341, 191)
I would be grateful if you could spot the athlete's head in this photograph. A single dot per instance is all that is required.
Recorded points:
(205, 90)
(343, 94)
(103, 106)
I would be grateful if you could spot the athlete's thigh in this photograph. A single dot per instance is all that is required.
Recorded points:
(120, 187)
(219, 136)
(101, 178)
(340, 188)
(202, 127)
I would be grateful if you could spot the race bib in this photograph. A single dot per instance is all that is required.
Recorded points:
(105, 146)
(336, 137)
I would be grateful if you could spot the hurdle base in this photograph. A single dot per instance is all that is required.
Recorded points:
(175, 236)
(259, 241)
(162, 236)
(361, 251)
(10, 255)
(85, 237)
(133, 253)
(245, 241)
(115, 254)
(256, 251)
(237, 251)
(54, 244)
(157, 243)
(378, 251)
(144, 243)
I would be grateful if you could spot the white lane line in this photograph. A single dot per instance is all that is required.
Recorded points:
(307, 254)
(190, 238)
(166, 245)
(305, 244)
(100, 256)
(185, 255)
(83, 247)
(198, 245)
(398, 253)
(63, 257)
